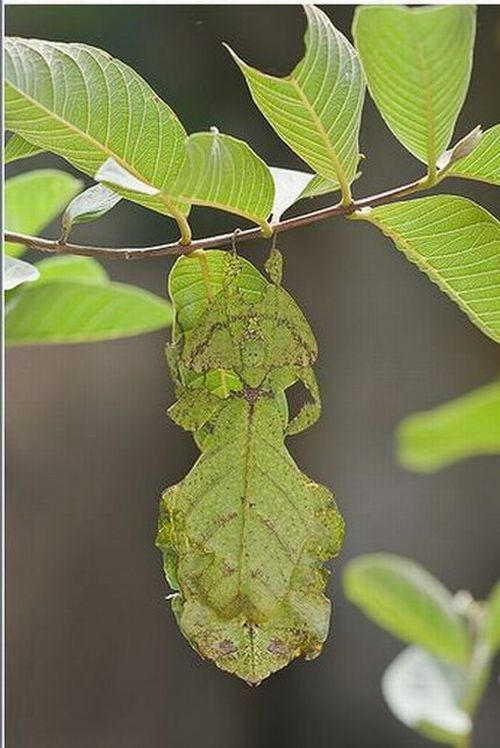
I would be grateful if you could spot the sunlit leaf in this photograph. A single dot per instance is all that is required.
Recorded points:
(17, 148)
(418, 63)
(223, 172)
(34, 199)
(73, 301)
(316, 110)
(95, 202)
(484, 161)
(426, 694)
(461, 428)
(83, 104)
(407, 601)
(456, 243)
(291, 186)
(16, 272)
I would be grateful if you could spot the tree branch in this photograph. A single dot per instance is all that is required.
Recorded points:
(223, 240)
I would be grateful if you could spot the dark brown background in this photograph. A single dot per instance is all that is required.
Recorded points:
(94, 656)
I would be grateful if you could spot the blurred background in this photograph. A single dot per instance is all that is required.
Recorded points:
(94, 655)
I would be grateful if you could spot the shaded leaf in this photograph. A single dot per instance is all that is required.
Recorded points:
(17, 148)
(456, 243)
(316, 110)
(95, 202)
(113, 173)
(407, 601)
(113, 114)
(223, 172)
(484, 161)
(426, 694)
(493, 623)
(418, 63)
(16, 272)
(34, 199)
(460, 150)
(461, 428)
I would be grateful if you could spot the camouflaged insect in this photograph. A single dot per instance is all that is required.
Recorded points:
(245, 534)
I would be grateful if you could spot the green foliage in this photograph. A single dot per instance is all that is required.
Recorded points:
(427, 694)
(493, 619)
(456, 244)
(461, 428)
(316, 110)
(483, 163)
(17, 148)
(94, 203)
(245, 534)
(17, 272)
(418, 63)
(409, 602)
(116, 115)
(73, 302)
(34, 199)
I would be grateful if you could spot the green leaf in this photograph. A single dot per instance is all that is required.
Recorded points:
(71, 268)
(484, 161)
(456, 243)
(74, 302)
(316, 110)
(426, 694)
(95, 202)
(461, 428)
(493, 621)
(34, 199)
(17, 148)
(223, 172)
(86, 106)
(407, 601)
(418, 64)
(291, 186)
(16, 272)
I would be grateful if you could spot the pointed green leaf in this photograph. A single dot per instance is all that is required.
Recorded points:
(407, 601)
(17, 148)
(223, 172)
(76, 312)
(95, 202)
(86, 106)
(484, 161)
(493, 622)
(456, 243)
(316, 110)
(34, 199)
(418, 63)
(291, 186)
(461, 428)
(426, 694)
(71, 268)
(16, 272)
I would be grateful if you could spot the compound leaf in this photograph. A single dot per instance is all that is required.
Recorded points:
(34, 199)
(456, 243)
(483, 163)
(86, 106)
(316, 110)
(223, 172)
(17, 148)
(426, 694)
(418, 63)
(461, 428)
(91, 204)
(16, 272)
(407, 601)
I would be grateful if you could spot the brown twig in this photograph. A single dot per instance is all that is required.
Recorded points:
(223, 240)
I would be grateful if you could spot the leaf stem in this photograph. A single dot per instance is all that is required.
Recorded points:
(186, 246)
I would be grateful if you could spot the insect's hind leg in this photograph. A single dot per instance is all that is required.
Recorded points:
(310, 411)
